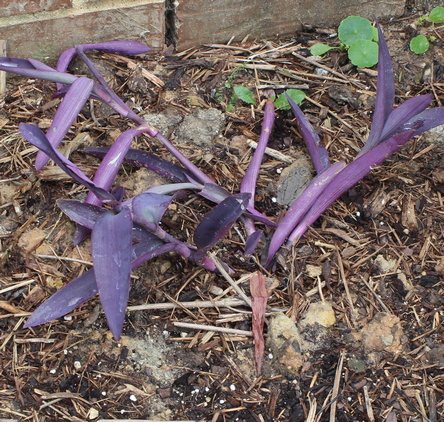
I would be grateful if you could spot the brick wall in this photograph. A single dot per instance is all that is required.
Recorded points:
(44, 28)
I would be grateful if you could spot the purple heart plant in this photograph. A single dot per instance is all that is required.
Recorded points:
(125, 233)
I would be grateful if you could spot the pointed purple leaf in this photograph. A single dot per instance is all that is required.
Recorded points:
(348, 177)
(252, 241)
(385, 93)
(403, 113)
(111, 241)
(138, 158)
(300, 207)
(317, 151)
(84, 287)
(25, 68)
(36, 137)
(150, 207)
(65, 300)
(65, 116)
(81, 212)
(110, 165)
(219, 220)
(118, 47)
(248, 184)
(425, 121)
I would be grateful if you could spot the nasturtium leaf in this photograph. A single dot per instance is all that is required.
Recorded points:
(244, 94)
(419, 44)
(319, 49)
(355, 28)
(296, 95)
(375, 37)
(437, 15)
(363, 53)
(111, 242)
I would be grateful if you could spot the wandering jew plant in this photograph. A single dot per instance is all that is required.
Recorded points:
(127, 232)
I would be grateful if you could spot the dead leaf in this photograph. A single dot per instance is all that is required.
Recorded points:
(259, 298)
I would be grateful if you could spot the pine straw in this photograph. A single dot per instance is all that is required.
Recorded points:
(396, 212)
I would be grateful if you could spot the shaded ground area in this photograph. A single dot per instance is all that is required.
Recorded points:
(375, 258)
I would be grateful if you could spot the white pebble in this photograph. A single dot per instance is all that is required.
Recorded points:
(133, 397)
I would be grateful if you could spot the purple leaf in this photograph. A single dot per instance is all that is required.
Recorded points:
(36, 137)
(348, 177)
(111, 253)
(248, 184)
(317, 151)
(65, 116)
(219, 220)
(110, 165)
(300, 206)
(150, 207)
(138, 158)
(385, 94)
(425, 121)
(84, 287)
(65, 300)
(81, 212)
(252, 241)
(403, 113)
(26, 68)
(118, 47)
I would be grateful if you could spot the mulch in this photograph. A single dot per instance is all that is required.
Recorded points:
(60, 371)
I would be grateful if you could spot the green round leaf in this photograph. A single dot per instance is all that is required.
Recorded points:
(296, 95)
(319, 49)
(437, 15)
(363, 53)
(245, 94)
(419, 44)
(355, 28)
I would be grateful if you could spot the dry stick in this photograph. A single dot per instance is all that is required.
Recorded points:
(347, 290)
(227, 277)
(272, 152)
(386, 309)
(315, 63)
(213, 328)
(368, 405)
(335, 390)
(224, 303)
(2, 73)
(339, 119)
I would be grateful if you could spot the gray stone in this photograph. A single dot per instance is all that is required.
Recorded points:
(201, 127)
(293, 180)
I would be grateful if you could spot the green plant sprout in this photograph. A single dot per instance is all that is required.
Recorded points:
(359, 38)
(437, 15)
(419, 44)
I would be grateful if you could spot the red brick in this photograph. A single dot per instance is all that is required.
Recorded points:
(45, 40)
(21, 7)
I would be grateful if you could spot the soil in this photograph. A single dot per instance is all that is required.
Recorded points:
(360, 295)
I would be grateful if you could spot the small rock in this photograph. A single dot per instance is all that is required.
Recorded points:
(293, 179)
(93, 413)
(383, 333)
(201, 127)
(163, 121)
(385, 265)
(435, 135)
(31, 239)
(319, 313)
(285, 344)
